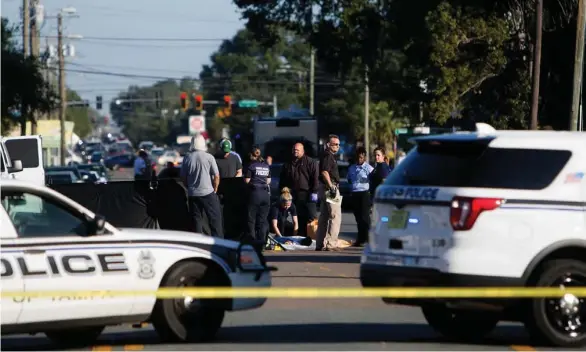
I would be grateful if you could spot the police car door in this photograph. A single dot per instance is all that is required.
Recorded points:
(54, 253)
(11, 282)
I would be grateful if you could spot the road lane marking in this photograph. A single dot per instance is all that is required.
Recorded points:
(522, 348)
(325, 268)
(102, 348)
(134, 347)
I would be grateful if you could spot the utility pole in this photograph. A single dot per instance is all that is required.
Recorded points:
(312, 83)
(366, 115)
(275, 108)
(26, 23)
(62, 92)
(536, 64)
(578, 65)
(35, 52)
(26, 13)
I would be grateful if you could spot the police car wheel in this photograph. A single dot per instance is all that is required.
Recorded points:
(559, 321)
(183, 319)
(459, 324)
(77, 337)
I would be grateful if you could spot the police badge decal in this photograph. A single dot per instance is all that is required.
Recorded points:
(145, 263)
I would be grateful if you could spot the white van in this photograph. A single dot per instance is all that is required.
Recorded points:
(22, 158)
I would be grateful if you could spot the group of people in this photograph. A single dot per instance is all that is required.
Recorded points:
(309, 182)
(303, 183)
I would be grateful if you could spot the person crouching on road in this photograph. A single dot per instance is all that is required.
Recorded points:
(258, 178)
(358, 177)
(330, 217)
(197, 171)
(283, 216)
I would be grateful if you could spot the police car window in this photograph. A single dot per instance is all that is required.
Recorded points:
(47, 220)
(25, 150)
(474, 165)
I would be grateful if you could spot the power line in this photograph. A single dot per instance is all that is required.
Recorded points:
(136, 39)
(205, 81)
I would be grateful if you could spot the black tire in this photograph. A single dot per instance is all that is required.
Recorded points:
(539, 323)
(173, 322)
(77, 337)
(462, 325)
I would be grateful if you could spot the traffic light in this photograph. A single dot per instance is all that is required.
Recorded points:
(228, 105)
(99, 102)
(198, 102)
(183, 98)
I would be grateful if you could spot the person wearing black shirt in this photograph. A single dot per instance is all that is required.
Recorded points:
(381, 170)
(169, 172)
(258, 178)
(301, 176)
(284, 221)
(229, 164)
(330, 217)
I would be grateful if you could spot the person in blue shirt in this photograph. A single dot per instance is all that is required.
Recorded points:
(258, 178)
(381, 169)
(358, 177)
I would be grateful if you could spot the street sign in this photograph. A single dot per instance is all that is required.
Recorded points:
(401, 130)
(247, 103)
(197, 124)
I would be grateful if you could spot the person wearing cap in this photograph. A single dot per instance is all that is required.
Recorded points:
(197, 172)
(231, 151)
(229, 163)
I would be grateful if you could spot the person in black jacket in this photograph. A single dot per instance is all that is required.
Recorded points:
(301, 175)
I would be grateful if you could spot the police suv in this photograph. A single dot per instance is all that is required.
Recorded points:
(486, 208)
(65, 247)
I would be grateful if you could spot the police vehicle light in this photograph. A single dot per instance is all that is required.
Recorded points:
(464, 211)
(413, 221)
(384, 219)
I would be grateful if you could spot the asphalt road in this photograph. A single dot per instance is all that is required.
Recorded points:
(307, 324)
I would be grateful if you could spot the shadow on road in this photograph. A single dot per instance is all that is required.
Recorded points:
(326, 333)
(313, 258)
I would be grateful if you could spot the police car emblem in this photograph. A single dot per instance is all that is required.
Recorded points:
(145, 264)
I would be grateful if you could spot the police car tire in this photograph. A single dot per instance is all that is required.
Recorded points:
(539, 327)
(165, 319)
(463, 325)
(76, 337)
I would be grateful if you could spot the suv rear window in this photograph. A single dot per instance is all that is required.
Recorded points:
(475, 165)
(25, 150)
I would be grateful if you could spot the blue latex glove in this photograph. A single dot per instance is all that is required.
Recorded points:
(314, 197)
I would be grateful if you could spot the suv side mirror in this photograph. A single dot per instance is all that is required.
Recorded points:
(16, 166)
(96, 225)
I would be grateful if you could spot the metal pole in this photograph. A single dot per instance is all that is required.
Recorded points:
(578, 66)
(366, 115)
(536, 65)
(275, 109)
(312, 83)
(62, 90)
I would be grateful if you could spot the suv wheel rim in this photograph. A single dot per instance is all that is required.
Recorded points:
(567, 315)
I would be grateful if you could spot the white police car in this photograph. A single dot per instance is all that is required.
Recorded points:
(492, 208)
(65, 247)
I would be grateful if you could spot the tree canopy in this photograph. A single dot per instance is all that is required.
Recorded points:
(458, 58)
(24, 90)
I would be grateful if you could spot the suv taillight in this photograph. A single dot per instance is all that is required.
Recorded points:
(464, 211)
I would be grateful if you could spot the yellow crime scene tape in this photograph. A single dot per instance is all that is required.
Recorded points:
(315, 293)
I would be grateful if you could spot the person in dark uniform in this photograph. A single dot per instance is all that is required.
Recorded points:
(258, 178)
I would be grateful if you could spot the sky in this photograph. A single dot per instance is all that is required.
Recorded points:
(101, 21)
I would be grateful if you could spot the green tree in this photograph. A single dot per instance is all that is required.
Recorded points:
(79, 115)
(23, 86)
